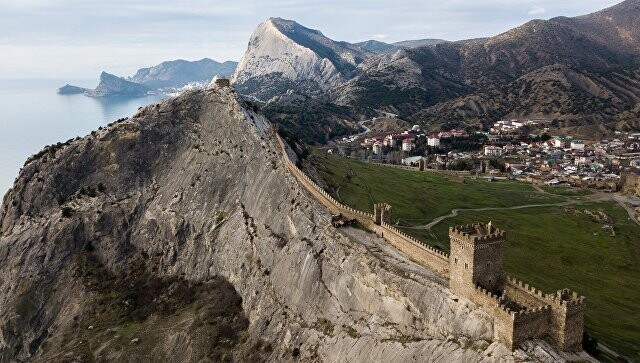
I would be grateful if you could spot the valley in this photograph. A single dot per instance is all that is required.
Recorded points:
(573, 238)
(324, 200)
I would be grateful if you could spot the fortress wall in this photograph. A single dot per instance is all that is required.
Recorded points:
(483, 297)
(523, 294)
(503, 326)
(545, 315)
(503, 317)
(513, 327)
(531, 324)
(603, 184)
(425, 255)
(630, 183)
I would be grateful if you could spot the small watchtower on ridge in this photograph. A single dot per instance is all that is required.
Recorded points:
(476, 258)
(382, 213)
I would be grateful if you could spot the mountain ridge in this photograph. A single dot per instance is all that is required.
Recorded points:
(179, 232)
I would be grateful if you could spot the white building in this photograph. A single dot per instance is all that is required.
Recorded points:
(412, 160)
(577, 145)
(561, 142)
(433, 141)
(377, 148)
(407, 145)
(490, 150)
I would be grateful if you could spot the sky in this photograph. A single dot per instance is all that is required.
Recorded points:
(77, 39)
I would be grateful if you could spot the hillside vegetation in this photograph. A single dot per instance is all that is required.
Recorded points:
(562, 245)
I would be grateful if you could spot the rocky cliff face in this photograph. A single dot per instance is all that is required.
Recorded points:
(111, 85)
(284, 55)
(179, 234)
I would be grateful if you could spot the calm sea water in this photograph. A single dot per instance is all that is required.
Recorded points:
(32, 115)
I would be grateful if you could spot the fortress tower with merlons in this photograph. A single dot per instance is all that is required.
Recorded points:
(521, 311)
(474, 269)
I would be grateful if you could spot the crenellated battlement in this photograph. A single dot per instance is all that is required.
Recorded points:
(525, 287)
(415, 241)
(475, 272)
(520, 310)
(477, 235)
(566, 298)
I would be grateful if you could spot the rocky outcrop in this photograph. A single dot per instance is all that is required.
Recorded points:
(179, 233)
(70, 90)
(284, 55)
(111, 85)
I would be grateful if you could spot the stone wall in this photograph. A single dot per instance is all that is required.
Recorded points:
(426, 255)
(600, 184)
(630, 183)
(531, 324)
(559, 316)
(523, 294)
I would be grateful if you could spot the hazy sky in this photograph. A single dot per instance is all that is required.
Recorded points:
(79, 38)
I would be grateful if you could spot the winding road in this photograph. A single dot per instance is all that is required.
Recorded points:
(588, 198)
(454, 212)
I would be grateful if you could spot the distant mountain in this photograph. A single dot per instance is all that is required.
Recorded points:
(418, 43)
(376, 46)
(580, 71)
(284, 55)
(180, 72)
(111, 85)
(379, 47)
(164, 77)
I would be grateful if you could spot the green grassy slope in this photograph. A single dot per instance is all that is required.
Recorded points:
(549, 247)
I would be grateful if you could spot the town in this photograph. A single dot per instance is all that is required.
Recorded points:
(521, 149)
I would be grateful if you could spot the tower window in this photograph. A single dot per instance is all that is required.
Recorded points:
(488, 264)
(466, 266)
(455, 260)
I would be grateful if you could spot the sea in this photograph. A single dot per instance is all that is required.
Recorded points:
(33, 115)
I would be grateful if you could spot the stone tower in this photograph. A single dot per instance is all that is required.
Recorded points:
(567, 319)
(382, 213)
(476, 258)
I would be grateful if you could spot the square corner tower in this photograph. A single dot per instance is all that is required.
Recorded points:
(476, 258)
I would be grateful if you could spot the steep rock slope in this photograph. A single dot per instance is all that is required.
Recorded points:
(283, 55)
(179, 234)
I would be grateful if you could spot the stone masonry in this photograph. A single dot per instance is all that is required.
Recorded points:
(475, 272)
(521, 312)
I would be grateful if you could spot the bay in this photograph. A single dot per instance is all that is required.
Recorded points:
(33, 115)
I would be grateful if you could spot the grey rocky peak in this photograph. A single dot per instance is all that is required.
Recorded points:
(283, 55)
(180, 232)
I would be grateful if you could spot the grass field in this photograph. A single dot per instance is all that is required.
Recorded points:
(551, 247)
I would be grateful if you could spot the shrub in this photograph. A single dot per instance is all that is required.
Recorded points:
(67, 212)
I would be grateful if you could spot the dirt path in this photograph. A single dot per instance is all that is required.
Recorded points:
(454, 212)
(621, 201)
(596, 197)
